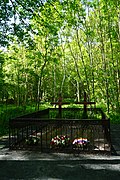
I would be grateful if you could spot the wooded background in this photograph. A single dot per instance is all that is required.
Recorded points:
(60, 46)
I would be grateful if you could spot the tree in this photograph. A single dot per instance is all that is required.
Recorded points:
(66, 46)
(1, 77)
(15, 19)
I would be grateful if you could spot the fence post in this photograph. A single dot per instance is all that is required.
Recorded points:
(41, 139)
(9, 135)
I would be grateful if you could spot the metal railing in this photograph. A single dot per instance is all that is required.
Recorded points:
(69, 133)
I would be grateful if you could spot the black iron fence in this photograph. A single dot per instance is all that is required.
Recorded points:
(47, 132)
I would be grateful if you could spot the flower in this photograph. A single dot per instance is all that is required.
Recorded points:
(59, 141)
(80, 142)
(33, 139)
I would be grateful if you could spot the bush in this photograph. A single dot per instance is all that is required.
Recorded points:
(115, 118)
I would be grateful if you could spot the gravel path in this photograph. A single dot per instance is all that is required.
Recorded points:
(28, 165)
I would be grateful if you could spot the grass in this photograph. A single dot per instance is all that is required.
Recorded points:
(11, 111)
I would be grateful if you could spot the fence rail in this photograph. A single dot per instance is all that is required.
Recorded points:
(47, 133)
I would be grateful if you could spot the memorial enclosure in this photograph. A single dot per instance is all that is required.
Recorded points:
(62, 130)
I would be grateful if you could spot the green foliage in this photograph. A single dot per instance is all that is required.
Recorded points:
(8, 112)
(20, 12)
(114, 118)
(73, 106)
(11, 111)
(63, 47)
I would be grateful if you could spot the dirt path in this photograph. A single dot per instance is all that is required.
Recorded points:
(35, 166)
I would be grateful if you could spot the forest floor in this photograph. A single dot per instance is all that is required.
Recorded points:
(59, 166)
